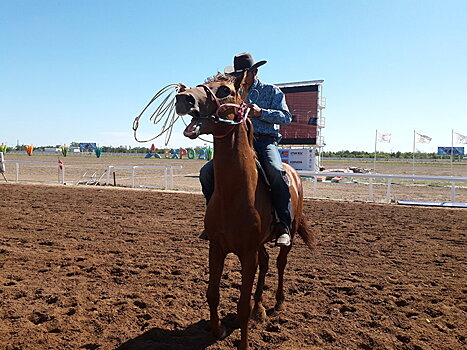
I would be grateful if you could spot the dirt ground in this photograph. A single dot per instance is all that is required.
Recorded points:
(106, 268)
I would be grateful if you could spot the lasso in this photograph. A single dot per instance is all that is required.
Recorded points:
(164, 112)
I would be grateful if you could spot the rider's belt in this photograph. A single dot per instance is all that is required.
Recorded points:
(265, 136)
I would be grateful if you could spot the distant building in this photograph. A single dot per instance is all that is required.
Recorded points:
(52, 150)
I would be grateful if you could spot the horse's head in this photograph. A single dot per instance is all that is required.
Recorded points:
(210, 103)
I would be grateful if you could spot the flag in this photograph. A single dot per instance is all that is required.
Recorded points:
(60, 164)
(383, 137)
(423, 138)
(461, 139)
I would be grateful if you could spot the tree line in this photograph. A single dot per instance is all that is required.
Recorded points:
(327, 154)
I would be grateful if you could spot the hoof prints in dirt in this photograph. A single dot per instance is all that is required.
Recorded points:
(381, 277)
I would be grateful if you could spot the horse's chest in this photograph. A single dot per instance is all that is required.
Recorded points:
(233, 221)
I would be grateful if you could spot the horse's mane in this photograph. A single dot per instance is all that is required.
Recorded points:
(220, 77)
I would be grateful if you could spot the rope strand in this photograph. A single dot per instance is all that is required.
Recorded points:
(165, 113)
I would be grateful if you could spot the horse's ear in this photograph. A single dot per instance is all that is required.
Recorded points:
(182, 87)
(240, 83)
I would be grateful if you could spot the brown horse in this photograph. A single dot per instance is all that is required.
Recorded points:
(239, 216)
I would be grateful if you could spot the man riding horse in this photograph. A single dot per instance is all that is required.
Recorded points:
(268, 110)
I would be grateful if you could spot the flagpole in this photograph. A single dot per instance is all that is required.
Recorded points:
(413, 154)
(374, 161)
(452, 148)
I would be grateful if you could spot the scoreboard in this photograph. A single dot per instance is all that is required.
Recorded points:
(304, 102)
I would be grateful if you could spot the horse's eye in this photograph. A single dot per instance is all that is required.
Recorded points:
(223, 91)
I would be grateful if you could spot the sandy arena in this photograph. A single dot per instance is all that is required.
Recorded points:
(105, 268)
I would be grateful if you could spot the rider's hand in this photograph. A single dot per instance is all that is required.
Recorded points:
(255, 111)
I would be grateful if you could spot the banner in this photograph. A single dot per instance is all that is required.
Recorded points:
(300, 159)
(87, 146)
(446, 151)
(422, 138)
(383, 137)
(460, 139)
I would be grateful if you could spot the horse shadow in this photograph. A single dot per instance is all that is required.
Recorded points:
(196, 336)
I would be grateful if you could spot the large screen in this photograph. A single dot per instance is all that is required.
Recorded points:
(303, 105)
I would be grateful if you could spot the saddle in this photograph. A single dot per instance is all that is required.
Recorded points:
(262, 174)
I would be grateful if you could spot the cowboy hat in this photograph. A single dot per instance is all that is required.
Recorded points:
(243, 61)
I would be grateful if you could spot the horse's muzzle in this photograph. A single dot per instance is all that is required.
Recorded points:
(184, 103)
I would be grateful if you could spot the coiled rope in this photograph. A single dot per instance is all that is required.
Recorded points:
(165, 113)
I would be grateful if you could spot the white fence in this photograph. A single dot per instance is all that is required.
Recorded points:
(168, 173)
(61, 167)
(450, 179)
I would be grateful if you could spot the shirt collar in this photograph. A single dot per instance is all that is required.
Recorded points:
(256, 84)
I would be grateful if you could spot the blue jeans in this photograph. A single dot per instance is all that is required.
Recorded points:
(270, 159)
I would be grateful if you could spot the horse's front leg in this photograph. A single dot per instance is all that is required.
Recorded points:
(249, 265)
(216, 266)
(259, 312)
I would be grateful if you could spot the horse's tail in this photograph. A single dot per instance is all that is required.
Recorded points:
(307, 233)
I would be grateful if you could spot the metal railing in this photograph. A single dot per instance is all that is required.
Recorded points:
(54, 164)
(452, 179)
(168, 171)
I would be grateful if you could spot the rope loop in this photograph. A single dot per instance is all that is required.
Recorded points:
(164, 113)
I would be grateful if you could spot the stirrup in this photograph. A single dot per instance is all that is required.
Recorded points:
(204, 235)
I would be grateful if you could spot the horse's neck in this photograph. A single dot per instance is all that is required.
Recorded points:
(234, 162)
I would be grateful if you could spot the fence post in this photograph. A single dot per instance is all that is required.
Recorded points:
(165, 178)
(2, 164)
(370, 190)
(109, 170)
(315, 185)
(133, 177)
(388, 192)
(63, 174)
(171, 178)
(453, 192)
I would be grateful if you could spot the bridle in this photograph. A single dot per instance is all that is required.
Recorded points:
(240, 115)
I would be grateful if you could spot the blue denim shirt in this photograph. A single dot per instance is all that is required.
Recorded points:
(274, 109)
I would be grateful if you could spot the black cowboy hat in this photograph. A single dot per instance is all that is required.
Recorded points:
(243, 61)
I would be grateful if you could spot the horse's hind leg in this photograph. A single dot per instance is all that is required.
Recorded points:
(249, 265)
(259, 313)
(216, 266)
(281, 262)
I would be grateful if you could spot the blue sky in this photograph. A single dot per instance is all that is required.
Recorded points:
(82, 70)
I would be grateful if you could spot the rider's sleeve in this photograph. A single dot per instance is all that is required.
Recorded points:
(278, 112)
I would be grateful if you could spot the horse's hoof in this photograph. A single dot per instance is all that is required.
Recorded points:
(259, 314)
(221, 333)
(279, 307)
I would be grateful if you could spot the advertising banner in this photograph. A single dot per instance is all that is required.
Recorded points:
(87, 146)
(446, 151)
(300, 159)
